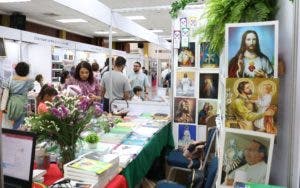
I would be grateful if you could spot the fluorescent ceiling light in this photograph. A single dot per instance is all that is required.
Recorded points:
(13, 1)
(104, 32)
(156, 30)
(126, 39)
(136, 17)
(72, 20)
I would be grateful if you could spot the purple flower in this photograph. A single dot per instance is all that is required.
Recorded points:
(84, 104)
(98, 109)
(64, 111)
(56, 112)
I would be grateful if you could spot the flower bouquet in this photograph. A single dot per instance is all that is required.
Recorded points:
(66, 118)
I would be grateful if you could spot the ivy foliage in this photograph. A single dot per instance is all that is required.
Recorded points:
(220, 12)
(179, 5)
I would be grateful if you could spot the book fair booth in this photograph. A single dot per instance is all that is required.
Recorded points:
(207, 117)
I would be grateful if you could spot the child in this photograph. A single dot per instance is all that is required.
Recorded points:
(263, 103)
(137, 90)
(46, 95)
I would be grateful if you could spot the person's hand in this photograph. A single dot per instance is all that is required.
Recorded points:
(229, 181)
(94, 97)
(260, 74)
(269, 112)
(240, 65)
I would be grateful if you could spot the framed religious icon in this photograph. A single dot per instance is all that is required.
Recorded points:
(185, 83)
(208, 86)
(208, 59)
(206, 109)
(246, 156)
(184, 110)
(186, 134)
(186, 56)
(251, 49)
(252, 104)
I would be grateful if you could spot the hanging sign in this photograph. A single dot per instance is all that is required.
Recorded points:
(185, 37)
(176, 38)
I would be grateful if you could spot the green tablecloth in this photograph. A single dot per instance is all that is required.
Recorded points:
(138, 168)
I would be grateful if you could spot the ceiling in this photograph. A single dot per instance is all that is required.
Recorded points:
(46, 12)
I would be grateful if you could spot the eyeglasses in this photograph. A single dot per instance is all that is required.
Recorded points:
(64, 183)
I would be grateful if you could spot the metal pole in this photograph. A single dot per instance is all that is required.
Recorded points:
(1, 166)
(110, 62)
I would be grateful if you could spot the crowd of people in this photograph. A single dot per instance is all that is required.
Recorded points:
(85, 79)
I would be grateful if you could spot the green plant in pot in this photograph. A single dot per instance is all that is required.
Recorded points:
(92, 139)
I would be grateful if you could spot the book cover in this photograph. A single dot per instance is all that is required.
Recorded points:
(91, 165)
(135, 139)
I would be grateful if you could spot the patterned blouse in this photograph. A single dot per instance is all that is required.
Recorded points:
(85, 86)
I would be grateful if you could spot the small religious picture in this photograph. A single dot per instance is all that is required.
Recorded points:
(185, 83)
(206, 109)
(252, 104)
(251, 49)
(208, 87)
(247, 157)
(186, 56)
(186, 135)
(184, 110)
(208, 59)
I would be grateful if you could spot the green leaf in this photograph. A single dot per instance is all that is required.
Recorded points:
(220, 12)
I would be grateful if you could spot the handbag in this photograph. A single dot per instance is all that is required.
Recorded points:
(4, 99)
(197, 178)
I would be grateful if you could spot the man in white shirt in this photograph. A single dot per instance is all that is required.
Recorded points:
(164, 74)
(256, 167)
(138, 78)
(120, 85)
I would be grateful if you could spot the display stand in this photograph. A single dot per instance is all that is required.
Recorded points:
(195, 80)
(242, 94)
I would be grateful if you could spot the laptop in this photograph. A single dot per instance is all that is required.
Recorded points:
(18, 150)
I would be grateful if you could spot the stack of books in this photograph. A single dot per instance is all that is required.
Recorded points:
(93, 168)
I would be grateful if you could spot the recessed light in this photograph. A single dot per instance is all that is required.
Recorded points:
(136, 17)
(126, 39)
(156, 30)
(104, 32)
(72, 20)
(13, 1)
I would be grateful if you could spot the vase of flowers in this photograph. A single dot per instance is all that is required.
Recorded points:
(66, 118)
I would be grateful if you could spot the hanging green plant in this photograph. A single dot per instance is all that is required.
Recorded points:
(220, 12)
(179, 5)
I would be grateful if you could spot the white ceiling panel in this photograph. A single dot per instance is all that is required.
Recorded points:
(48, 11)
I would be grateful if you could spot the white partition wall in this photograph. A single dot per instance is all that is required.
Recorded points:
(39, 58)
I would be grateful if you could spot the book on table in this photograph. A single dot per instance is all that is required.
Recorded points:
(88, 166)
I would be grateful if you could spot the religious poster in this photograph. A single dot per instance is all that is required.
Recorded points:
(186, 134)
(208, 59)
(186, 56)
(246, 157)
(185, 83)
(208, 86)
(184, 110)
(206, 109)
(252, 104)
(251, 49)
